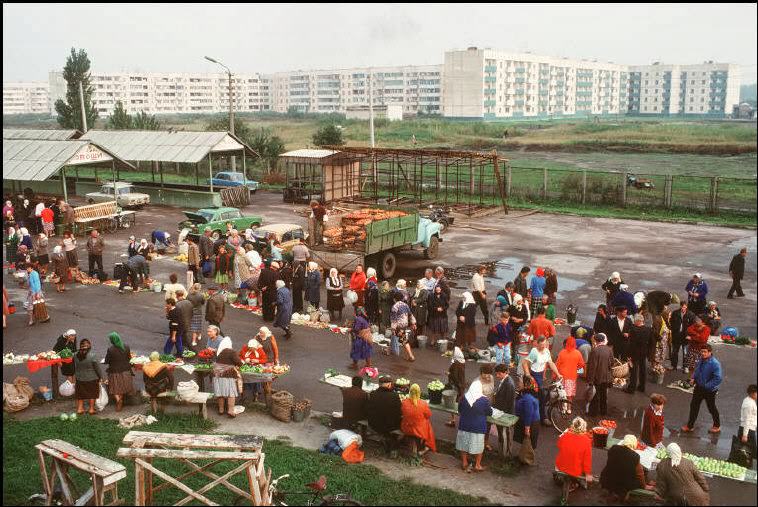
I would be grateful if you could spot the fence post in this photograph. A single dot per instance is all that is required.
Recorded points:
(713, 203)
(544, 183)
(668, 201)
(623, 189)
(508, 177)
(584, 186)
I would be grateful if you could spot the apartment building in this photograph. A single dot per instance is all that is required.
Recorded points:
(26, 98)
(490, 84)
(170, 93)
(418, 89)
(708, 89)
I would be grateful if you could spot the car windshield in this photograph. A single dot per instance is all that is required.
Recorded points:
(124, 190)
(236, 177)
(207, 215)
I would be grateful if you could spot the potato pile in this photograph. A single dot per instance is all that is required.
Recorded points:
(352, 231)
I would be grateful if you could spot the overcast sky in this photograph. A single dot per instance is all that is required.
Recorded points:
(271, 38)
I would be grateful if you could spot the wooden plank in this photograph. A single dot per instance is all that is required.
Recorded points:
(199, 469)
(45, 480)
(257, 500)
(243, 442)
(90, 461)
(173, 481)
(64, 482)
(124, 452)
(214, 483)
(139, 485)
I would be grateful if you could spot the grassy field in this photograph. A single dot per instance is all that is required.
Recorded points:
(365, 483)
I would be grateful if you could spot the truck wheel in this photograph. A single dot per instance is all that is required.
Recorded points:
(434, 246)
(388, 265)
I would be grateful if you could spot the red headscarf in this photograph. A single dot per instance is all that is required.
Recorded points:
(540, 272)
(570, 343)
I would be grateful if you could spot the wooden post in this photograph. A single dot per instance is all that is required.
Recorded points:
(623, 189)
(197, 174)
(210, 171)
(152, 169)
(63, 184)
(714, 207)
(544, 183)
(177, 170)
(160, 170)
(54, 378)
(669, 191)
(496, 167)
(584, 186)
(508, 178)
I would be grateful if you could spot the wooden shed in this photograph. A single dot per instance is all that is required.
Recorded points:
(323, 175)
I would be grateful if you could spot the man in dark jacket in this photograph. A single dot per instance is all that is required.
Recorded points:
(519, 283)
(707, 378)
(505, 395)
(639, 342)
(737, 272)
(214, 308)
(656, 300)
(618, 331)
(267, 288)
(184, 308)
(383, 411)
(354, 401)
(599, 375)
(680, 321)
(601, 320)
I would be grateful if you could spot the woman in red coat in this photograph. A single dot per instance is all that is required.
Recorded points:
(575, 452)
(416, 419)
(697, 337)
(652, 421)
(358, 284)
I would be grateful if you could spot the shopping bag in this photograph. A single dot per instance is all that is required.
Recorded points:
(102, 400)
(66, 388)
(207, 268)
(526, 453)
(39, 311)
(740, 453)
(190, 279)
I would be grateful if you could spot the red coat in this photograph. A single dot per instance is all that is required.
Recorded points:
(250, 355)
(416, 421)
(652, 427)
(574, 454)
(699, 338)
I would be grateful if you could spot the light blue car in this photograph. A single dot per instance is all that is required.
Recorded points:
(234, 179)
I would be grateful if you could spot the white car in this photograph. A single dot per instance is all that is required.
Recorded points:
(126, 196)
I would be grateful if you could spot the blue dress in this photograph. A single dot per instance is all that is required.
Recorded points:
(283, 308)
(361, 349)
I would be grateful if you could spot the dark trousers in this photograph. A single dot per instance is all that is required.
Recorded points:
(698, 396)
(95, 259)
(599, 404)
(638, 375)
(125, 275)
(751, 442)
(482, 302)
(735, 287)
(179, 344)
(539, 378)
(676, 344)
(268, 304)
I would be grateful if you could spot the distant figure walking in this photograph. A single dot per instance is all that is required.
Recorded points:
(737, 272)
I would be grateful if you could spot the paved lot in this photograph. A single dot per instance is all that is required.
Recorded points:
(584, 251)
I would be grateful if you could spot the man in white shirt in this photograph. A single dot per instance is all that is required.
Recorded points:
(254, 257)
(479, 293)
(748, 414)
(429, 281)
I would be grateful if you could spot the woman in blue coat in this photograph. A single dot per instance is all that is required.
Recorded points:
(283, 308)
(362, 347)
(313, 285)
(473, 410)
(528, 413)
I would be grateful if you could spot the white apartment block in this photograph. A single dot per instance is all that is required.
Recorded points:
(417, 88)
(709, 89)
(26, 98)
(170, 93)
(490, 84)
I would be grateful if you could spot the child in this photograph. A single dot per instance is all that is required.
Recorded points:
(500, 337)
(652, 420)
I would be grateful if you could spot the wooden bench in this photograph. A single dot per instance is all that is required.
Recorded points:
(565, 481)
(171, 395)
(87, 217)
(104, 473)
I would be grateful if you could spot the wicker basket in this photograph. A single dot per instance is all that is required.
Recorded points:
(281, 405)
(619, 369)
(301, 410)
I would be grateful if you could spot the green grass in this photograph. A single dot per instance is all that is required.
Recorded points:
(365, 483)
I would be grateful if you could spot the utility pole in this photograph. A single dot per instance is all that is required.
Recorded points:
(371, 107)
(81, 103)
(231, 104)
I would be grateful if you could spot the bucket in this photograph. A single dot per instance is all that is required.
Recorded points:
(599, 440)
(435, 397)
(422, 341)
(442, 345)
(448, 398)
(571, 312)
(157, 287)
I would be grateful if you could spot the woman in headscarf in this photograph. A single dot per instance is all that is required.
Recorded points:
(402, 322)
(551, 285)
(226, 377)
(8, 218)
(679, 482)
(143, 249)
(437, 327)
(569, 361)
(271, 349)
(401, 286)
(253, 354)
(223, 267)
(465, 330)
(537, 286)
(11, 245)
(473, 410)
(386, 301)
(60, 268)
(34, 293)
(195, 297)
(623, 471)
(527, 409)
(283, 308)
(40, 251)
(88, 377)
(334, 300)
(298, 284)
(456, 377)
(241, 268)
(419, 305)
(69, 246)
(371, 294)
(120, 377)
(697, 337)
(234, 240)
(313, 285)
(67, 341)
(712, 317)
(611, 287)
(26, 239)
(157, 378)
(358, 284)
(416, 420)
(361, 347)
(575, 452)
(659, 345)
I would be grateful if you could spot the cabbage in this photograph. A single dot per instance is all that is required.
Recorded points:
(64, 417)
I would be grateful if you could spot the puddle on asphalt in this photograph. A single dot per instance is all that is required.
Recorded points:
(649, 283)
(507, 268)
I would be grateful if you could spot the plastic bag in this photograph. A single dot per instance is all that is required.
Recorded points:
(351, 296)
(102, 400)
(24, 387)
(66, 388)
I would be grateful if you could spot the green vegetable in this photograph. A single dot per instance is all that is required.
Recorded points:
(72, 417)
(64, 417)
(167, 358)
(65, 353)
(330, 372)
(435, 385)
(189, 354)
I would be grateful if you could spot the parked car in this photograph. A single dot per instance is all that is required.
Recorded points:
(234, 179)
(126, 196)
(632, 180)
(287, 234)
(216, 219)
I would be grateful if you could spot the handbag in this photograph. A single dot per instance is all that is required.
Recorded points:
(526, 453)
(39, 310)
(365, 334)
(741, 453)
(206, 267)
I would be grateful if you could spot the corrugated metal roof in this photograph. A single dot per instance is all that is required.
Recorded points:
(41, 134)
(160, 146)
(37, 160)
(309, 153)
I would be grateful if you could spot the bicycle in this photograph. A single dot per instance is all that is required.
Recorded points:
(316, 494)
(560, 410)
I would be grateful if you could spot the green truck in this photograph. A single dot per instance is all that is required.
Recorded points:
(383, 240)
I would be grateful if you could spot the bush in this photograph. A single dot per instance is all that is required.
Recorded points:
(274, 179)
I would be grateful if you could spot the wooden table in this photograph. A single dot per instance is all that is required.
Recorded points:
(247, 378)
(241, 450)
(104, 473)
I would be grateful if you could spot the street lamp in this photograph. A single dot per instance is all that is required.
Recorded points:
(231, 104)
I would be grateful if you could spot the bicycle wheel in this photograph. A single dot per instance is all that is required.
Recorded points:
(561, 413)
(339, 500)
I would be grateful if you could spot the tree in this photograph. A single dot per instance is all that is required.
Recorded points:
(69, 112)
(329, 135)
(221, 124)
(144, 121)
(119, 119)
(268, 146)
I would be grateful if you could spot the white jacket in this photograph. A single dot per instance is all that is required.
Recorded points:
(748, 414)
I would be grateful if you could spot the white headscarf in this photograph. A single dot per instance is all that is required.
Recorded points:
(57, 249)
(401, 284)
(458, 356)
(11, 232)
(334, 276)
(266, 331)
(468, 299)
(675, 453)
(24, 231)
(370, 272)
(615, 276)
(226, 343)
(143, 242)
(474, 392)
(419, 286)
(280, 284)
(253, 344)
(312, 266)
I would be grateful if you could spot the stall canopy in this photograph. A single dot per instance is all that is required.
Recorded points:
(42, 134)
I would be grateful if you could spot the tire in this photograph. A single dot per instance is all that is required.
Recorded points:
(433, 250)
(388, 265)
(215, 235)
(559, 416)
(346, 500)
(443, 224)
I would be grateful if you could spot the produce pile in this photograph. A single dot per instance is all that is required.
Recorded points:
(710, 465)
(261, 368)
(351, 233)
(435, 385)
